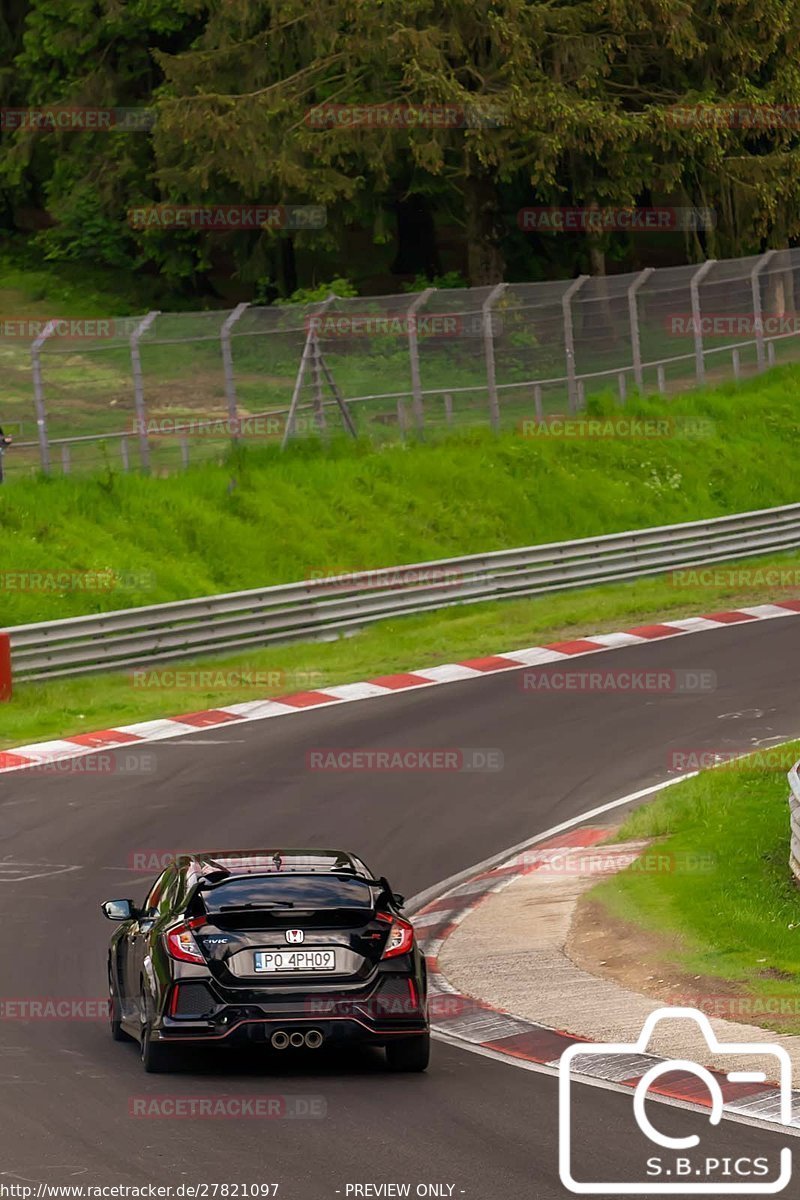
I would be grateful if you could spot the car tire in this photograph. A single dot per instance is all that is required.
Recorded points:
(409, 1054)
(114, 1014)
(156, 1058)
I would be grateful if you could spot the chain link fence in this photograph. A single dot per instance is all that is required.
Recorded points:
(163, 390)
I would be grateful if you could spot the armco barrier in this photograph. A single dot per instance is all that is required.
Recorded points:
(794, 817)
(324, 608)
(5, 667)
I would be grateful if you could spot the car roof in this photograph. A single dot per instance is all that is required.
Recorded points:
(221, 864)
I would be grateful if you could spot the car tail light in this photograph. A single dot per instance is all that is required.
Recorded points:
(401, 936)
(181, 944)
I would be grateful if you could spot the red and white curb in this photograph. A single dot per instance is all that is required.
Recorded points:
(478, 1025)
(39, 753)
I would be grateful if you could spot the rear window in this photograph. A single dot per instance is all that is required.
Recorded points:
(301, 891)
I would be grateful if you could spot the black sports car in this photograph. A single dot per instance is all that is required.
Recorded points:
(290, 948)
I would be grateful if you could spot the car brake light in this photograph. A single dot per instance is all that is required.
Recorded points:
(181, 944)
(401, 936)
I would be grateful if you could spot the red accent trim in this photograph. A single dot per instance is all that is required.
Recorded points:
(729, 618)
(105, 737)
(580, 646)
(490, 662)
(683, 1085)
(7, 759)
(538, 1045)
(396, 683)
(306, 699)
(654, 631)
(211, 716)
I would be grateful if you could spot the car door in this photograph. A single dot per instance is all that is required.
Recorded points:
(138, 934)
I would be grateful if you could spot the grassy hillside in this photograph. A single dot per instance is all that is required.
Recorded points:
(266, 517)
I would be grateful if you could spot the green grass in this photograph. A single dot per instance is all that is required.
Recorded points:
(50, 709)
(264, 517)
(736, 923)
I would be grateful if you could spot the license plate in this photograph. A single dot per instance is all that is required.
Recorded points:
(306, 961)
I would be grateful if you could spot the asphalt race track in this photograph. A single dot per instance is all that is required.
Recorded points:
(482, 1127)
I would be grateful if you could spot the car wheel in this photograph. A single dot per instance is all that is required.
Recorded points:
(157, 1059)
(409, 1054)
(114, 1014)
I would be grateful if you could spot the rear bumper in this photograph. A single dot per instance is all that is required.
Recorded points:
(248, 1030)
(387, 1009)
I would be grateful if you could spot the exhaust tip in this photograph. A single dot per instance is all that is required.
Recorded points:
(279, 1039)
(297, 1040)
(314, 1039)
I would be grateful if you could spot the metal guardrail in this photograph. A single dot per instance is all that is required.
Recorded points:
(794, 816)
(326, 608)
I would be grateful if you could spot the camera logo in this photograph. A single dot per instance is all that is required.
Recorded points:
(676, 1171)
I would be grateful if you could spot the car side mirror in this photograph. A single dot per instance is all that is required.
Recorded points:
(119, 910)
(398, 899)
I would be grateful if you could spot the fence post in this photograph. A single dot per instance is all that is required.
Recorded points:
(38, 394)
(5, 667)
(401, 418)
(138, 386)
(413, 354)
(633, 313)
(316, 368)
(694, 292)
(448, 408)
(227, 366)
(488, 347)
(755, 284)
(569, 340)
